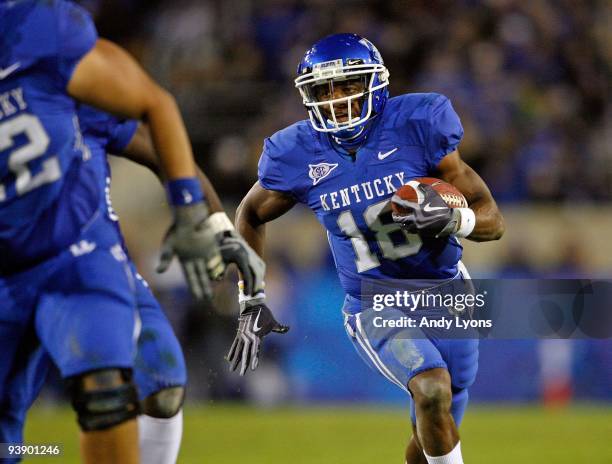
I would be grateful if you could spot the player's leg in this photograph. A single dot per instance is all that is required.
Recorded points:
(106, 404)
(461, 357)
(399, 354)
(414, 451)
(165, 403)
(404, 354)
(432, 396)
(440, 397)
(160, 376)
(161, 426)
(87, 321)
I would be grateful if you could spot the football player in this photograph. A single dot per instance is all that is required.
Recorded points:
(66, 287)
(345, 163)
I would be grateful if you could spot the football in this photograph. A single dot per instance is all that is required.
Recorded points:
(449, 193)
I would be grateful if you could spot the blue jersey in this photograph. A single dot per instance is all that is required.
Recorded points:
(48, 191)
(105, 133)
(351, 198)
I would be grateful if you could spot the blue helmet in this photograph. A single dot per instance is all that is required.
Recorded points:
(342, 57)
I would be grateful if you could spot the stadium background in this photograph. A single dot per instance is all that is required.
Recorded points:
(531, 83)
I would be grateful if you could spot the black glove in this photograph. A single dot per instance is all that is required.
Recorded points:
(193, 239)
(430, 218)
(255, 322)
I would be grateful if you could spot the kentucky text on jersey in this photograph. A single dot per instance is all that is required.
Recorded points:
(381, 187)
(11, 102)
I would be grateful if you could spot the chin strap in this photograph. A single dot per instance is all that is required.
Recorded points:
(351, 135)
(353, 142)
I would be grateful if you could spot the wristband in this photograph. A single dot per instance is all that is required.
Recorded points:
(242, 298)
(185, 191)
(467, 222)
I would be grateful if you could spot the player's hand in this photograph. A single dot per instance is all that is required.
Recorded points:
(254, 323)
(430, 218)
(234, 249)
(193, 239)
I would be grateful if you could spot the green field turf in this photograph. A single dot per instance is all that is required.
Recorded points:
(223, 434)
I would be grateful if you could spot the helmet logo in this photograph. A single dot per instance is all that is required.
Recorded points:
(327, 69)
(320, 171)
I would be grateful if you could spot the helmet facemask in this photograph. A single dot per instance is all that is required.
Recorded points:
(335, 115)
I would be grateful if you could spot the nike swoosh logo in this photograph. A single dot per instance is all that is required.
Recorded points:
(428, 208)
(382, 156)
(6, 71)
(256, 328)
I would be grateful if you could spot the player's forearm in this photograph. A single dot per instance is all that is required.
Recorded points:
(170, 137)
(489, 221)
(251, 228)
(256, 209)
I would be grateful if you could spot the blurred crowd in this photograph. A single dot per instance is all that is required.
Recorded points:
(530, 79)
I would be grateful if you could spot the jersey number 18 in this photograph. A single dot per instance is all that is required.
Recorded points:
(409, 245)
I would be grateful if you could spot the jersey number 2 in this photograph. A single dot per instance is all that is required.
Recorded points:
(366, 259)
(37, 144)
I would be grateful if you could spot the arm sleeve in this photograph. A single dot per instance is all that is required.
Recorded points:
(270, 170)
(77, 35)
(120, 135)
(445, 130)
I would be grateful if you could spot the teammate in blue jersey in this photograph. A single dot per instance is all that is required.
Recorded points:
(159, 370)
(67, 291)
(345, 163)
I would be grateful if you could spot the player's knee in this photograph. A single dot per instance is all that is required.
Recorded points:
(165, 403)
(434, 397)
(431, 392)
(103, 399)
